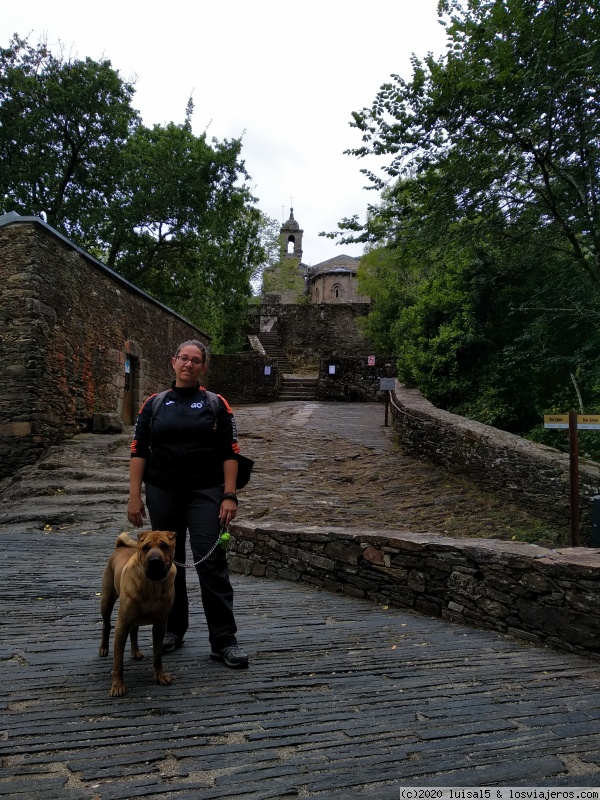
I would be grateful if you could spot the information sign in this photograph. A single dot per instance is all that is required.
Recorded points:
(572, 421)
(556, 420)
(588, 422)
(585, 422)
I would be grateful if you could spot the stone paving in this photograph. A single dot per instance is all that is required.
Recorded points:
(315, 463)
(343, 699)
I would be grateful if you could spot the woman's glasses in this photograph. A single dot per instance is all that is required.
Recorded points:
(197, 362)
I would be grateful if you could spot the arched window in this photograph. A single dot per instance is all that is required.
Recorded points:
(336, 292)
(291, 243)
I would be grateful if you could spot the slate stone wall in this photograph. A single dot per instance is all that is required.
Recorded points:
(548, 597)
(241, 378)
(308, 332)
(354, 379)
(530, 474)
(67, 326)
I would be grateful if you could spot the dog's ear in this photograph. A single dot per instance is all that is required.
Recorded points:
(172, 535)
(142, 535)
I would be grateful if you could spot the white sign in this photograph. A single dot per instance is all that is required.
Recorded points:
(332, 369)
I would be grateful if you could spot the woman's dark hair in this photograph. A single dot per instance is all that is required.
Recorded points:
(194, 343)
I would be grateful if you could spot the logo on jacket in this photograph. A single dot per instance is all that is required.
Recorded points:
(197, 405)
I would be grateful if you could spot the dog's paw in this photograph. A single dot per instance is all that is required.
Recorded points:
(164, 679)
(117, 690)
(103, 651)
(137, 653)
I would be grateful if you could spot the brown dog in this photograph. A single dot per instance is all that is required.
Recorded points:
(142, 575)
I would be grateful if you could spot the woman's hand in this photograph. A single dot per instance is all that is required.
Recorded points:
(227, 511)
(136, 511)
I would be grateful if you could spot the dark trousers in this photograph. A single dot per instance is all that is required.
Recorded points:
(196, 511)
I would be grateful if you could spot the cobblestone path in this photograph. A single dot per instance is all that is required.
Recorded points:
(344, 699)
(316, 463)
(336, 462)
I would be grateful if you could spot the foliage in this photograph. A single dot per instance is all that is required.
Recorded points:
(62, 126)
(167, 209)
(484, 259)
(510, 115)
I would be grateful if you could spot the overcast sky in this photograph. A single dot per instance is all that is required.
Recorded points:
(285, 75)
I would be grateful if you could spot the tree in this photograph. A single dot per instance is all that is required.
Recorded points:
(510, 115)
(484, 326)
(181, 224)
(167, 209)
(483, 259)
(62, 127)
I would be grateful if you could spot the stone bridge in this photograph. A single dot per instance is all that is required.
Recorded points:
(346, 697)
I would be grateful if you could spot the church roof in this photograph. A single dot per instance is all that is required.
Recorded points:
(341, 263)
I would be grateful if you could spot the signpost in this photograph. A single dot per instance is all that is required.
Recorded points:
(573, 421)
(387, 385)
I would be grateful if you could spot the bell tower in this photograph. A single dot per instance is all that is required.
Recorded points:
(290, 236)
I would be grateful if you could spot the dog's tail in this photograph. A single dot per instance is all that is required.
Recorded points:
(125, 540)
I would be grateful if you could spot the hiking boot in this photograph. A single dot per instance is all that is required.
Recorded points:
(232, 655)
(171, 642)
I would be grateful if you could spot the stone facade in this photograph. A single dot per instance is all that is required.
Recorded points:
(308, 333)
(241, 378)
(533, 475)
(545, 596)
(76, 340)
(335, 281)
(354, 380)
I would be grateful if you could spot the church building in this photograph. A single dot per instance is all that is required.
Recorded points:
(331, 281)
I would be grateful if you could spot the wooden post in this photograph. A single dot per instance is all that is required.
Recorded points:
(387, 408)
(574, 477)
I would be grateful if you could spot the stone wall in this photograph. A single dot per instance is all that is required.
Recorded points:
(308, 332)
(241, 378)
(545, 596)
(354, 379)
(336, 287)
(68, 327)
(532, 475)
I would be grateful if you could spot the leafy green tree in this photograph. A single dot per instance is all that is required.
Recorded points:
(284, 277)
(181, 224)
(62, 127)
(169, 210)
(511, 114)
(483, 259)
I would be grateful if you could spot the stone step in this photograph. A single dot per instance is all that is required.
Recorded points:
(286, 398)
(301, 380)
(271, 346)
(299, 387)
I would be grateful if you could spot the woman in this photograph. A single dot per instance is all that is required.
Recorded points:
(186, 456)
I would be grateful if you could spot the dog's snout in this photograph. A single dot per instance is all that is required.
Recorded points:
(156, 569)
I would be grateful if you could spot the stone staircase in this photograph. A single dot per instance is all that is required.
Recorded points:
(273, 349)
(293, 387)
(298, 387)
